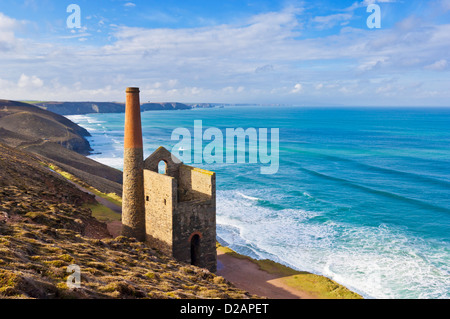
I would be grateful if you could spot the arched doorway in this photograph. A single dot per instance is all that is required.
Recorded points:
(195, 249)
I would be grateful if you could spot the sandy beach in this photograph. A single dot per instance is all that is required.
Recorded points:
(246, 275)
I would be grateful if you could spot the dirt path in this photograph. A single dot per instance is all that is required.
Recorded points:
(114, 227)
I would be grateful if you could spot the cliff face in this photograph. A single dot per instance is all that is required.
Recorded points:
(164, 106)
(205, 105)
(72, 108)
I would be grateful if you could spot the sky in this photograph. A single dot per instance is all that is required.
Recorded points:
(305, 53)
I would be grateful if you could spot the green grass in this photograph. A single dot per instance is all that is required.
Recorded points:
(103, 213)
(99, 211)
(112, 197)
(32, 102)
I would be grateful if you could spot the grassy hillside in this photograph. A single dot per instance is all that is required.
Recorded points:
(38, 124)
(46, 225)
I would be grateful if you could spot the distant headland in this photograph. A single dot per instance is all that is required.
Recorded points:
(81, 108)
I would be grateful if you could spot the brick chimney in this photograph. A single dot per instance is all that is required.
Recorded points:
(133, 206)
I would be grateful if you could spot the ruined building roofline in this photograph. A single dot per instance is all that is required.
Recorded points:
(162, 154)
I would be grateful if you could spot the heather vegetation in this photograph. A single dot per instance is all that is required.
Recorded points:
(46, 225)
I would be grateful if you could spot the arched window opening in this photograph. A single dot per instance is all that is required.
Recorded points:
(162, 168)
(195, 247)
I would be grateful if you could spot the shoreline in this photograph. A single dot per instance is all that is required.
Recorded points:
(268, 279)
(242, 274)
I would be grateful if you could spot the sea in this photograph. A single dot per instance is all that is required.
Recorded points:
(361, 195)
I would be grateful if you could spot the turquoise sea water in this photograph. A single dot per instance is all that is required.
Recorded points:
(362, 195)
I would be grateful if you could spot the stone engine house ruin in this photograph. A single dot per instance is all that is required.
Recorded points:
(174, 211)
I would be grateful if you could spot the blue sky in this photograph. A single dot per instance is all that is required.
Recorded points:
(282, 52)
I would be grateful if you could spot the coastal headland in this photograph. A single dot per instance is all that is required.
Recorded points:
(58, 207)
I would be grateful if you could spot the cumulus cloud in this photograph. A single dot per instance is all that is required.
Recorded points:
(8, 26)
(325, 22)
(261, 31)
(7, 23)
(26, 81)
(255, 60)
(297, 88)
(438, 65)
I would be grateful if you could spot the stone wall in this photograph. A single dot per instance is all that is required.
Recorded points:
(160, 195)
(161, 154)
(196, 215)
(180, 205)
(194, 184)
(195, 218)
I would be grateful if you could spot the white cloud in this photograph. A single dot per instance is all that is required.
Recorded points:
(445, 5)
(130, 4)
(297, 88)
(256, 60)
(26, 82)
(371, 63)
(7, 23)
(369, 2)
(8, 26)
(262, 31)
(365, 3)
(438, 65)
(325, 22)
(233, 90)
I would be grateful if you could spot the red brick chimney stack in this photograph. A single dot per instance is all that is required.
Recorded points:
(133, 206)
